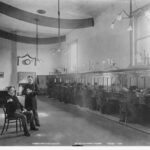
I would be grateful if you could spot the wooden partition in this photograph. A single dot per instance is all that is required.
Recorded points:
(112, 80)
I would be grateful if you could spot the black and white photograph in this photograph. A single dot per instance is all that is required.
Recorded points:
(74, 73)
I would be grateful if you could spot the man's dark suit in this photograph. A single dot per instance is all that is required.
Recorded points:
(15, 109)
(31, 100)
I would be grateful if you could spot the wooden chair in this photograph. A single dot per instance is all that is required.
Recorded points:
(8, 120)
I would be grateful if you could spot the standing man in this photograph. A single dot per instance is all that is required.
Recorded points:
(30, 91)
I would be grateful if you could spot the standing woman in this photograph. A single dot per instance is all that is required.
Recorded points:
(30, 91)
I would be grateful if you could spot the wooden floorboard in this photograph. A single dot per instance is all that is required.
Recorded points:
(66, 125)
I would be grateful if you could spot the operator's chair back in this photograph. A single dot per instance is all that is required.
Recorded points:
(8, 120)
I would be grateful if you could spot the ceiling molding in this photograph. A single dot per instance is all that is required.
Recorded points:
(30, 40)
(43, 20)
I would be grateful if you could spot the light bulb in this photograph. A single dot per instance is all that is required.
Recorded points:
(112, 26)
(103, 62)
(119, 17)
(130, 28)
(147, 14)
(58, 50)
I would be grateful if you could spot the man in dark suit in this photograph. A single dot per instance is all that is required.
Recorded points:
(15, 109)
(30, 91)
(132, 105)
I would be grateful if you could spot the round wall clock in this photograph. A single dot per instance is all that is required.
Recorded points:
(26, 62)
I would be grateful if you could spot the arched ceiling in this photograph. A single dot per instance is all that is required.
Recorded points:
(70, 9)
(74, 14)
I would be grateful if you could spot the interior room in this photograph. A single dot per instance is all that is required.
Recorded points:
(74, 73)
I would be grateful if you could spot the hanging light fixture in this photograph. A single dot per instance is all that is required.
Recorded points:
(127, 16)
(130, 28)
(59, 47)
(37, 43)
(59, 42)
(37, 40)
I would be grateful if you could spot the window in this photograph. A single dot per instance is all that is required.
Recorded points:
(73, 56)
(142, 55)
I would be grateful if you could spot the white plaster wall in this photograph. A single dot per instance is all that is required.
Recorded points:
(8, 63)
(100, 42)
(48, 61)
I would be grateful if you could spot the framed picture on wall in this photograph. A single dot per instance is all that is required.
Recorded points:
(22, 76)
(1, 74)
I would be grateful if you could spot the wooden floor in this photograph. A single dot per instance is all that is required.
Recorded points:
(64, 124)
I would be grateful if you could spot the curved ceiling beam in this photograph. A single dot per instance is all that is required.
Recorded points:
(43, 20)
(30, 40)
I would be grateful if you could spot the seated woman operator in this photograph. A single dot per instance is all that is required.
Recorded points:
(15, 109)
